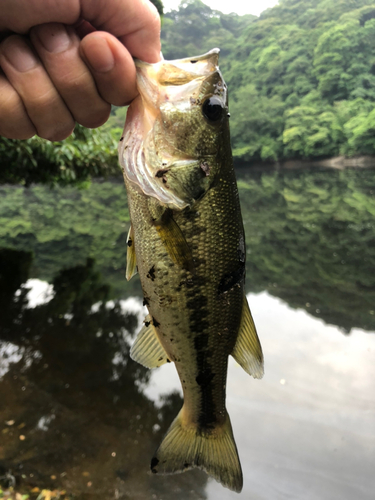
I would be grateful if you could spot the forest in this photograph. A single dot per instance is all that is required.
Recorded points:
(301, 79)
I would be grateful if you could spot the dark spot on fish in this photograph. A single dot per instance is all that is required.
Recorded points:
(145, 301)
(201, 341)
(199, 193)
(193, 62)
(186, 465)
(161, 359)
(147, 324)
(155, 323)
(151, 273)
(171, 340)
(204, 378)
(154, 463)
(196, 300)
(129, 242)
(161, 172)
(205, 168)
(229, 280)
(168, 360)
(199, 324)
(122, 138)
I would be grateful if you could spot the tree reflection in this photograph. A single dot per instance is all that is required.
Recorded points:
(311, 238)
(73, 413)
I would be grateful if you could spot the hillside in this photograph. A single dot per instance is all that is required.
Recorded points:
(301, 79)
(301, 76)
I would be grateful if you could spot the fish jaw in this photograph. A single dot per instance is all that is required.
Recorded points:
(157, 154)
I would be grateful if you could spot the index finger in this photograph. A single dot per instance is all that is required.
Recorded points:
(136, 23)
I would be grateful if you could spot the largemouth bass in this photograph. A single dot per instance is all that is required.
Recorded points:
(187, 242)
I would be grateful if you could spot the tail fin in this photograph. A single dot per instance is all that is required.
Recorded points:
(215, 452)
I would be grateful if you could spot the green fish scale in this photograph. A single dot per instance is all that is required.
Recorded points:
(198, 322)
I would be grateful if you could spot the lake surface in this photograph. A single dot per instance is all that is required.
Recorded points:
(80, 419)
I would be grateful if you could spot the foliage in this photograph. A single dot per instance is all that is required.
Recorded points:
(195, 28)
(159, 5)
(84, 154)
(301, 80)
(291, 73)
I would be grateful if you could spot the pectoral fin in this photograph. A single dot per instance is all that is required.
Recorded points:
(131, 262)
(147, 349)
(248, 351)
(174, 241)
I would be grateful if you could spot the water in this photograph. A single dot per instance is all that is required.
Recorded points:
(78, 416)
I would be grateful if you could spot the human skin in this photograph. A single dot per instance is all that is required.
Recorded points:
(66, 62)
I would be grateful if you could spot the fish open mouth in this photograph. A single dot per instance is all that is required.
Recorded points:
(173, 85)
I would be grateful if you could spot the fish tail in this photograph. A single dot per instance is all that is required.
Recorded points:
(185, 447)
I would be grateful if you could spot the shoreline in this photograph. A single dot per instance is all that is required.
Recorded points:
(337, 162)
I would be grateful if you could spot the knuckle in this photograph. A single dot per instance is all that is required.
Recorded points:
(42, 100)
(14, 122)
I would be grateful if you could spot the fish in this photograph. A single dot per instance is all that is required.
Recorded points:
(187, 243)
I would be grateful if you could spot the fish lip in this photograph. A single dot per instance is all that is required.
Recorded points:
(150, 75)
(207, 56)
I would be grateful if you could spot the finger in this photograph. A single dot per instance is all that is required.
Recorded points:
(111, 66)
(26, 74)
(83, 28)
(136, 23)
(14, 123)
(58, 49)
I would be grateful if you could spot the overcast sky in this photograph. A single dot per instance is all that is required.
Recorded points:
(240, 7)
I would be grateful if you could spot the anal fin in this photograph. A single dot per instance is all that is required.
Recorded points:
(131, 261)
(248, 351)
(147, 349)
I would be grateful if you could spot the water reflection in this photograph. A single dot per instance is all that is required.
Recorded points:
(76, 414)
(310, 237)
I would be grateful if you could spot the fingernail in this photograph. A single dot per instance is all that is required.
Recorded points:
(54, 38)
(19, 55)
(101, 59)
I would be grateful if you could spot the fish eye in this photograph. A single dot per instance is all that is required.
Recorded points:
(213, 108)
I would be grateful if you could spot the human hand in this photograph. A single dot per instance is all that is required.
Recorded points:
(56, 69)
